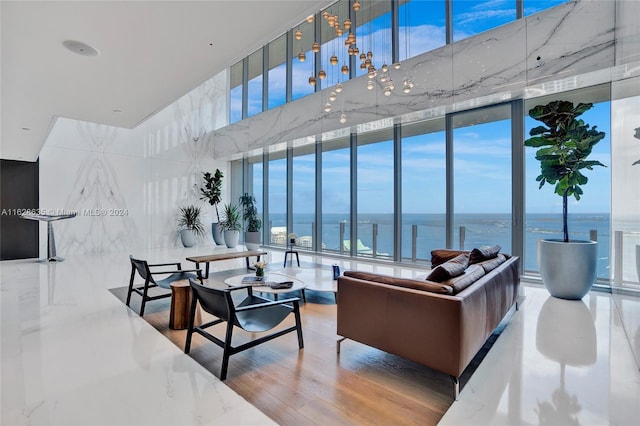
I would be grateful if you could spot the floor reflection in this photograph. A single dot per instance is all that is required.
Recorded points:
(565, 333)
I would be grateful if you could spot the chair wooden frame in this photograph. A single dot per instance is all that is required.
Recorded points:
(145, 272)
(228, 311)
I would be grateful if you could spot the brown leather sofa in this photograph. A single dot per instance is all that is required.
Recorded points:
(428, 325)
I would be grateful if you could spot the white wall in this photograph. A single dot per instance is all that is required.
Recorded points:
(127, 184)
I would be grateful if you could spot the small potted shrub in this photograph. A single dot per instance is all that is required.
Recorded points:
(253, 222)
(190, 225)
(211, 192)
(231, 225)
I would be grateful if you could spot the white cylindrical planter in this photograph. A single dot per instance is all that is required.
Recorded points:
(216, 233)
(231, 238)
(568, 270)
(188, 238)
(252, 240)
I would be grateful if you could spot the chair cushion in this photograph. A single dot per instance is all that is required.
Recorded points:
(449, 269)
(472, 274)
(429, 286)
(439, 256)
(483, 253)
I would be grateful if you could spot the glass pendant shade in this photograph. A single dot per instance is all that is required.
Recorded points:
(302, 56)
(315, 47)
(333, 60)
(346, 24)
(333, 96)
(370, 84)
(339, 87)
(356, 5)
(345, 69)
(312, 81)
(327, 107)
(322, 74)
(384, 68)
(298, 35)
(310, 19)
(343, 118)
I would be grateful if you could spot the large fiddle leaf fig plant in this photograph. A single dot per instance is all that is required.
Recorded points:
(565, 142)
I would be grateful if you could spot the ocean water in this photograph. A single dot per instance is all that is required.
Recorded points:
(479, 229)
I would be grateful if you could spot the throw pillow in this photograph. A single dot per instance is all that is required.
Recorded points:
(470, 276)
(483, 253)
(439, 256)
(449, 269)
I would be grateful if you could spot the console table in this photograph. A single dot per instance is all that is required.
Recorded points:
(51, 240)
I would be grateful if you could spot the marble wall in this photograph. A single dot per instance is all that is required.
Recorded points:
(563, 48)
(126, 184)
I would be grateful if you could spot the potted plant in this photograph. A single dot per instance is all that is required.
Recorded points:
(567, 267)
(253, 222)
(212, 192)
(231, 224)
(190, 225)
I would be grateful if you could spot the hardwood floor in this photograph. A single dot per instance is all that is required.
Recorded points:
(315, 385)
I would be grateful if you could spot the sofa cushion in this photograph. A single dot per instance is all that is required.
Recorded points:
(472, 274)
(491, 264)
(449, 269)
(483, 253)
(429, 286)
(439, 256)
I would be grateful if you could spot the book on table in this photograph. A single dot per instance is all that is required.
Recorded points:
(252, 279)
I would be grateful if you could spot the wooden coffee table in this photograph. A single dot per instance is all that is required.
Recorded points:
(270, 277)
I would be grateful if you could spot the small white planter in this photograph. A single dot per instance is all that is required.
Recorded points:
(188, 238)
(252, 240)
(568, 270)
(216, 233)
(231, 238)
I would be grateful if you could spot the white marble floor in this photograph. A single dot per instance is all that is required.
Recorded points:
(72, 354)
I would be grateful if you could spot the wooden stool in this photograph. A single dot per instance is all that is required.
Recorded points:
(180, 305)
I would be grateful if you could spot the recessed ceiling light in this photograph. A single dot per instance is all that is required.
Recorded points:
(80, 48)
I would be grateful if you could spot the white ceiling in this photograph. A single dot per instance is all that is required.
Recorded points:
(151, 53)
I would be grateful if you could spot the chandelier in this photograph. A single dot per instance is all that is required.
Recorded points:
(370, 62)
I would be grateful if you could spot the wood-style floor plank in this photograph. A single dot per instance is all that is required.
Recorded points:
(316, 386)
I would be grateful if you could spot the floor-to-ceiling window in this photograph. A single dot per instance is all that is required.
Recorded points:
(373, 35)
(255, 181)
(471, 17)
(534, 6)
(482, 209)
(336, 193)
(303, 191)
(424, 188)
(592, 212)
(423, 27)
(254, 83)
(277, 72)
(235, 94)
(375, 195)
(302, 60)
(277, 195)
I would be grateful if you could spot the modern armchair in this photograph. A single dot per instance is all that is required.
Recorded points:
(147, 274)
(253, 314)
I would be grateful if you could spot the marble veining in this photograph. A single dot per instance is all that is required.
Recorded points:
(575, 38)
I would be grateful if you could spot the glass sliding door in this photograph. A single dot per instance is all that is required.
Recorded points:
(277, 198)
(587, 218)
(304, 192)
(336, 194)
(482, 178)
(375, 195)
(424, 189)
